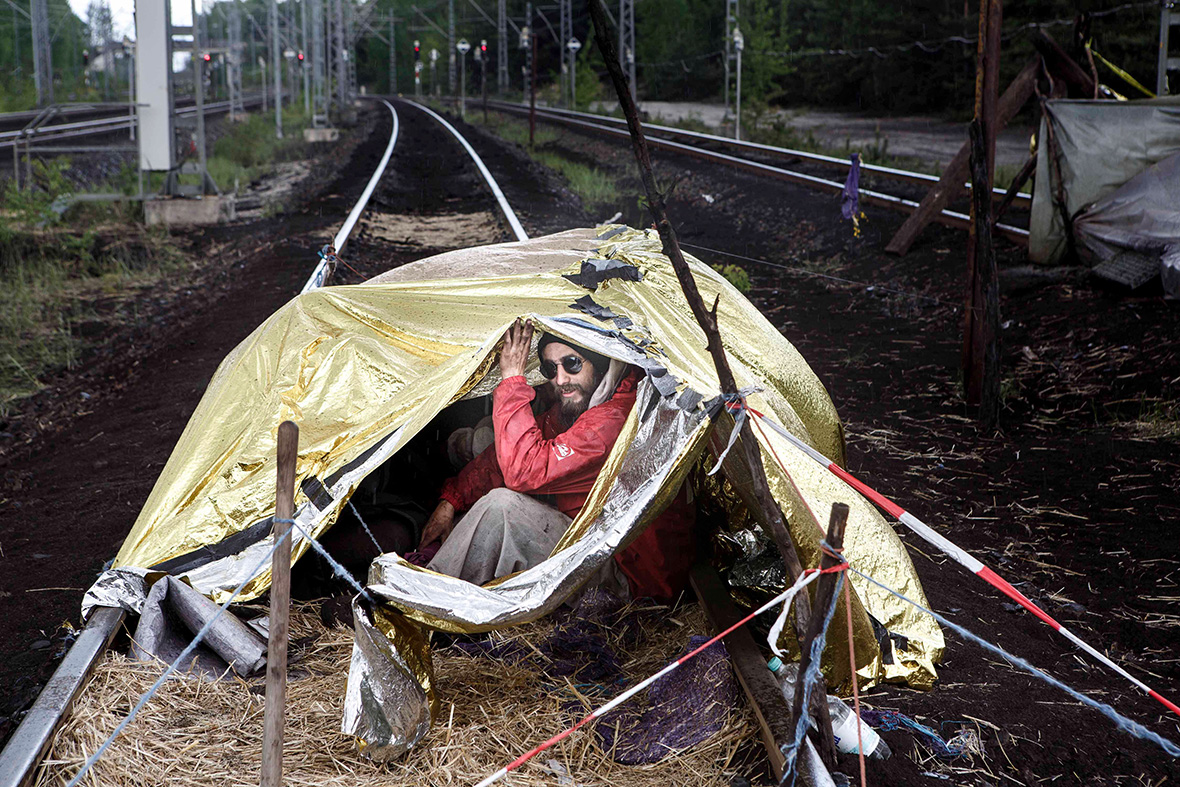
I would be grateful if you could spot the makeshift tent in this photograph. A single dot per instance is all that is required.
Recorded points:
(1102, 175)
(362, 369)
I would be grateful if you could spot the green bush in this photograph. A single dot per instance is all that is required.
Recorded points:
(735, 275)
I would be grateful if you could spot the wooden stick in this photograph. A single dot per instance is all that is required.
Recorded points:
(987, 74)
(988, 290)
(280, 608)
(825, 588)
(772, 515)
(951, 183)
(1021, 178)
(1063, 67)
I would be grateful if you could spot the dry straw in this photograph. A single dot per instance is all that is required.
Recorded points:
(197, 732)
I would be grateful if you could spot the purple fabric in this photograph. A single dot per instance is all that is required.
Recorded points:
(850, 198)
(684, 708)
(680, 710)
(423, 555)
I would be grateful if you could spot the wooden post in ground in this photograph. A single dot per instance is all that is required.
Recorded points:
(951, 182)
(280, 608)
(768, 507)
(986, 87)
(824, 597)
(988, 290)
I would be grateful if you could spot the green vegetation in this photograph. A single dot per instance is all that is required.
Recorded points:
(249, 148)
(596, 187)
(735, 275)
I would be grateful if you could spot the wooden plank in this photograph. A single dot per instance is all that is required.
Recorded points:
(759, 684)
(951, 182)
(280, 610)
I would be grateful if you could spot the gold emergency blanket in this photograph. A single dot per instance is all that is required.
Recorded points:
(361, 369)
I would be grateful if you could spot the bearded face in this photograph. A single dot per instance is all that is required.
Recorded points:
(572, 388)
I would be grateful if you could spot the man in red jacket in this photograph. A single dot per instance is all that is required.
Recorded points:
(558, 455)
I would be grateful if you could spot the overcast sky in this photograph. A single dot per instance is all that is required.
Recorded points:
(123, 12)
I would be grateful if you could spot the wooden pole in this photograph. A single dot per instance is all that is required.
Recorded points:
(824, 597)
(280, 608)
(987, 282)
(707, 319)
(987, 77)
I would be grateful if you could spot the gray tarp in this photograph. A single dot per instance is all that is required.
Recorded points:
(1099, 147)
(1143, 216)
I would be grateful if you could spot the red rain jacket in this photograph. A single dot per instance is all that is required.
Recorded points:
(534, 456)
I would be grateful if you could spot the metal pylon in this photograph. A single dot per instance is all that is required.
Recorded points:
(1168, 17)
(627, 41)
(451, 74)
(567, 32)
(319, 113)
(731, 20)
(234, 61)
(502, 46)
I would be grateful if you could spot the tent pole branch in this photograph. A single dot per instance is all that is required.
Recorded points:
(771, 512)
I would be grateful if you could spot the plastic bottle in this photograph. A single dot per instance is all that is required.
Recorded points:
(844, 721)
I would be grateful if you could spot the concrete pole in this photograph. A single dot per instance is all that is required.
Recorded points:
(43, 53)
(275, 66)
(341, 66)
(565, 25)
(198, 64)
(392, 57)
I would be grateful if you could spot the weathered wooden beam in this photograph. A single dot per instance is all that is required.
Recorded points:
(1064, 68)
(987, 290)
(757, 681)
(950, 184)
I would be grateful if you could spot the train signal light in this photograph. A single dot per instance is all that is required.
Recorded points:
(483, 45)
(417, 47)
(300, 56)
(208, 57)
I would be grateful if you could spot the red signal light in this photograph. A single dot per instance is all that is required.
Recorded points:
(208, 57)
(300, 56)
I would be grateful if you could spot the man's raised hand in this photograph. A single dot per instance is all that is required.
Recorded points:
(514, 356)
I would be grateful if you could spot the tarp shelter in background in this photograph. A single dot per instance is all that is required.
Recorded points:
(1106, 171)
(364, 368)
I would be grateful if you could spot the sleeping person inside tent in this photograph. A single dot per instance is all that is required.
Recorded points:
(377, 375)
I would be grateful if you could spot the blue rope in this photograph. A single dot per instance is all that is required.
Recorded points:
(1122, 722)
(147, 695)
(361, 519)
(337, 569)
(810, 679)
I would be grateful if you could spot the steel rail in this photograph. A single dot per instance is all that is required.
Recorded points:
(948, 217)
(501, 200)
(31, 739)
(93, 127)
(892, 173)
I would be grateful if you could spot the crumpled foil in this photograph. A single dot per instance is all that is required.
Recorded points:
(120, 588)
(388, 702)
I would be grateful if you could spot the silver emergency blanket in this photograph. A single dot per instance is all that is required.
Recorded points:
(1087, 151)
(1143, 216)
(172, 616)
(663, 448)
(120, 588)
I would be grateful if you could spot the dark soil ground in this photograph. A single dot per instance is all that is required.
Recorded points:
(1076, 496)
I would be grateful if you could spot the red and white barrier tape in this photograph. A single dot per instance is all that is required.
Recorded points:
(956, 553)
(806, 578)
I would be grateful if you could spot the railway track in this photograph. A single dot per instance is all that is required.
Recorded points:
(737, 154)
(24, 750)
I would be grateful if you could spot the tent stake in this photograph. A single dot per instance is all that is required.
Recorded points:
(280, 608)
(772, 515)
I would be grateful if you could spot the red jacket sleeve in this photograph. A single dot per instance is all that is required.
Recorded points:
(570, 461)
(480, 476)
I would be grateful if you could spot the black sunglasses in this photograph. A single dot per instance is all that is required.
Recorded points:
(571, 363)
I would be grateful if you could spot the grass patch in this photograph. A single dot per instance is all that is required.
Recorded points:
(249, 149)
(595, 186)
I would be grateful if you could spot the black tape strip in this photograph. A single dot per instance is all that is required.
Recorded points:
(595, 271)
(360, 460)
(230, 545)
(587, 305)
(316, 492)
(612, 233)
(689, 399)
